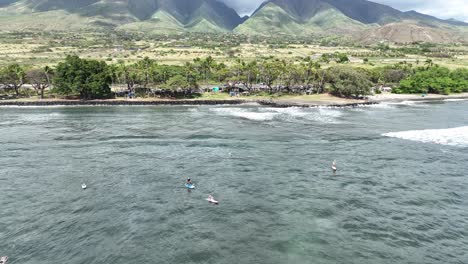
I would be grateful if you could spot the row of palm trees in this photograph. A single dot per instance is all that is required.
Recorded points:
(273, 73)
(147, 73)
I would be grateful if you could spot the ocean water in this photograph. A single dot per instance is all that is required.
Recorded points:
(400, 194)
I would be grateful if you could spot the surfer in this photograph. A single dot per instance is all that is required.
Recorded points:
(211, 199)
(189, 182)
(334, 167)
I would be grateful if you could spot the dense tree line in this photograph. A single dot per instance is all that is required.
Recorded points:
(435, 79)
(92, 79)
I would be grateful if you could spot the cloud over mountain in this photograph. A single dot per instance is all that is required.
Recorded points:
(457, 9)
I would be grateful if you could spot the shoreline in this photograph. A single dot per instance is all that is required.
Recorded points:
(395, 98)
(280, 103)
(270, 103)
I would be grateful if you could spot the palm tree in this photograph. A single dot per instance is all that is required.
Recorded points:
(188, 68)
(429, 63)
(48, 71)
(207, 66)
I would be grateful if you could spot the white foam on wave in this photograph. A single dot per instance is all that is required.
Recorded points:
(291, 111)
(326, 115)
(323, 115)
(257, 116)
(451, 136)
(390, 105)
(383, 105)
(415, 103)
(455, 100)
(244, 113)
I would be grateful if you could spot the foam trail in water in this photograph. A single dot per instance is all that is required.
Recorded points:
(451, 137)
(243, 113)
(455, 100)
(324, 115)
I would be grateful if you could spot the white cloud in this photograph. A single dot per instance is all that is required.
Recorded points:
(244, 7)
(445, 9)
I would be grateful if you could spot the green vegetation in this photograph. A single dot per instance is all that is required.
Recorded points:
(12, 77)
(349, 82)
(332, 72)
(435, 79)
(330, 20)
(40, 79)
(88, 78)
(149, 16)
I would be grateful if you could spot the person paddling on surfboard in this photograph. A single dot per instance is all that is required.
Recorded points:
(189, 182)
(334, 167)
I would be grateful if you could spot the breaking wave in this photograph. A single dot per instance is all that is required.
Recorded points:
(323, 115)
(455, 100)
(245, 113)
(451, 137)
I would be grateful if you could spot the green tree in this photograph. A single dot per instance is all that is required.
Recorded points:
(342, 58)
(178, 82)
(204, 67)
(126, 75)
(89, 79)
(439, 80)
(325, 58)
(190, 74)
(294, 74)
(13, 77)
(270, 71)
(39, 78)
(429, 63)
(144, 71)
(221, 72)
(460, 77)
(248, 74)
(348, 82)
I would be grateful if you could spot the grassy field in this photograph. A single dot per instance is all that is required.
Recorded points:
(40, 50)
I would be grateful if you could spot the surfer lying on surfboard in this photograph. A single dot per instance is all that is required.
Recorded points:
(211, 199)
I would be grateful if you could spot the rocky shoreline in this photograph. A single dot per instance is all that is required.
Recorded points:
(119, 103)
(271, 103)
(373, 100)
(288, 104)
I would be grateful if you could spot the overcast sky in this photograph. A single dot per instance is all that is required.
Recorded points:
(440, 8)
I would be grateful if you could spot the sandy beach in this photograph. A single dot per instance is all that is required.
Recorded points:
(283, 101)
(328, 100)
(415, 97)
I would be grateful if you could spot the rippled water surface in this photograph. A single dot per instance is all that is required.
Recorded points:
(400, 194)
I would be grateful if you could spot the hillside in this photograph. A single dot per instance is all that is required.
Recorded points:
(181, 15)
(362, 20)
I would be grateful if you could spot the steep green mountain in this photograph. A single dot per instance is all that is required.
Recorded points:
(272, 19)
(360, 19)
(155, 15)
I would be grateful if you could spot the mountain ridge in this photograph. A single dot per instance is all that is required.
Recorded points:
(112, 12)
(355, 19)
(294, 17)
